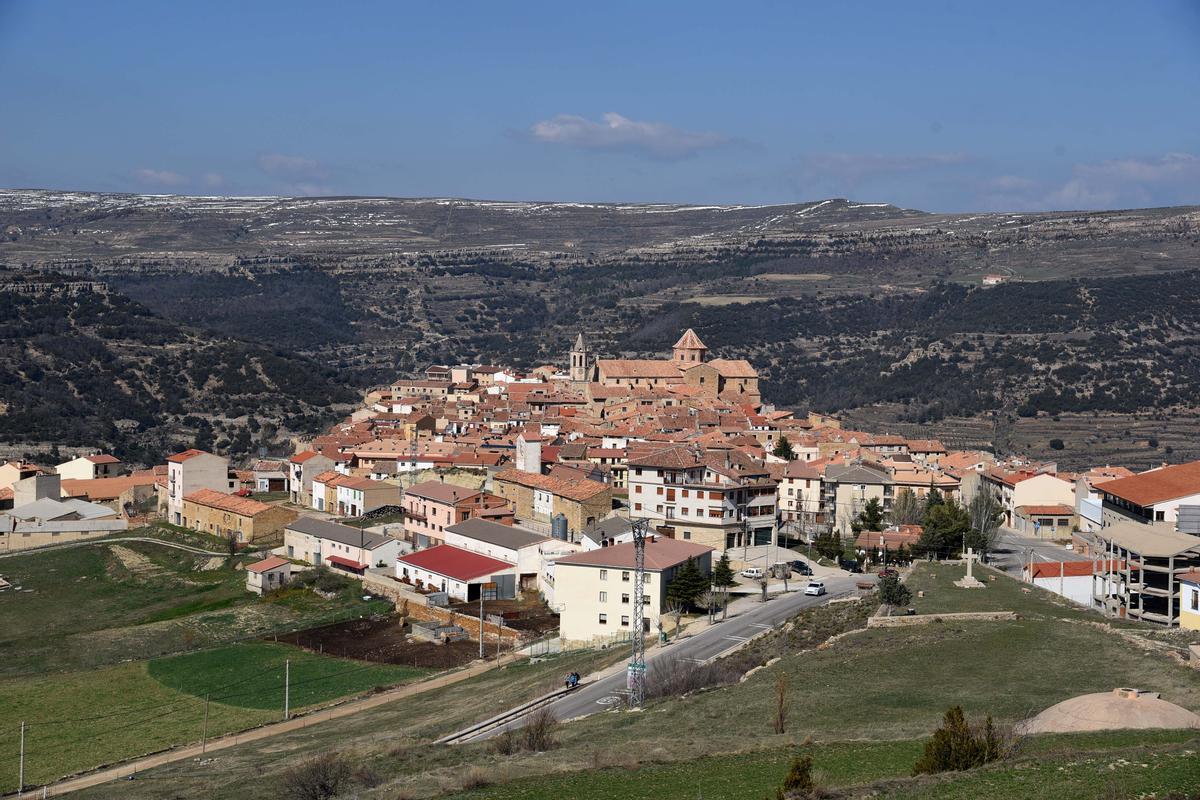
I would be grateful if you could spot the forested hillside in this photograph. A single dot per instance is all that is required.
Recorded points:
(84, 366)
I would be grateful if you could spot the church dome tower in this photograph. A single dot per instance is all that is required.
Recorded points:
(689, 350)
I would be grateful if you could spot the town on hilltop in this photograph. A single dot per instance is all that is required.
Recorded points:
(529, 467)
(480, 514)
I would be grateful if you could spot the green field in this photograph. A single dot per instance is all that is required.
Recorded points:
(1053, 768)
(106, 602)
(863, 705)
(81, 720)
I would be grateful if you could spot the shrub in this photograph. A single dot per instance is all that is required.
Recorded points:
(317, 779)
(674, 677)
(539, 730)
(476, 778)
(958, 746)
(799, 783)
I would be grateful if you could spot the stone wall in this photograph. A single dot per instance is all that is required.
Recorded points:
(418, 608)
(925, 619)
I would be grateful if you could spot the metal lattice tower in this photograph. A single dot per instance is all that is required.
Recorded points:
(635, 679)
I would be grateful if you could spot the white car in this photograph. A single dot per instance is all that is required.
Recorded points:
(753, 572)
(815, 588)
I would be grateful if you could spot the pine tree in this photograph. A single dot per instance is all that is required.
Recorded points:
(688, 584)
(783, 449)
(871, 517)
(723, 579)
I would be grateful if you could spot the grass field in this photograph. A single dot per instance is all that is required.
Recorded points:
(1051, 768)
(864, 704)
(81, 720)
(105, 602)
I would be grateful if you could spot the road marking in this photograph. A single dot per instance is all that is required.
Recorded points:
(737, 638)
(760, 625)
(610, 700)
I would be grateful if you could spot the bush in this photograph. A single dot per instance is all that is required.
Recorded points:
(536, 735)
(957, 746)
(318, 779)
(1056, 444)
(539, 730)
(799, 783)
(321, 579)
(674, 677)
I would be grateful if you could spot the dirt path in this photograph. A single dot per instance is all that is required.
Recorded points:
(93, 542)
(265, 732)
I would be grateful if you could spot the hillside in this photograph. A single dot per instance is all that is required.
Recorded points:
(89, 367)
(843, 305)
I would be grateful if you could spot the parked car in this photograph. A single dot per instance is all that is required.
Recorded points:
(851, 566)
(753, 572)
(801, 567)
(815, 588)
(886, 571)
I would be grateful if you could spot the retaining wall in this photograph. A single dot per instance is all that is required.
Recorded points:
(925, 619)
(417, 607)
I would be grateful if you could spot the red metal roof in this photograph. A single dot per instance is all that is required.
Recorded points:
(1073, 569)
(346, 562)
(454, 562)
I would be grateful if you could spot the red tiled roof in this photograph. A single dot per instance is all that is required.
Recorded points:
(266, 564)
(300, 458)
(179, 458)
(662, 553)
(1056, 510)
(454, 562)
(104, 458)
(1155, 486)
(1191, 576)
(242, 506)
(578, 490)
(690, 341)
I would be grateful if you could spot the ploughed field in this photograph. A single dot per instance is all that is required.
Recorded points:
(382, 641)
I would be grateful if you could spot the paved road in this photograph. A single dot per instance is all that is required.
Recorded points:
(747, 617)
(1012, 552)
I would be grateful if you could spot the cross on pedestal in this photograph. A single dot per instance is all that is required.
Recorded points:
(969, 581)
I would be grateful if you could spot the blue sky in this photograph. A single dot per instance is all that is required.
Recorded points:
(945, 106)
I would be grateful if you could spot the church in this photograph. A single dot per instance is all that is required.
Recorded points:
(732, 380)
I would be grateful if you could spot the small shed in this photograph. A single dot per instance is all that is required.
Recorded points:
(268, 575)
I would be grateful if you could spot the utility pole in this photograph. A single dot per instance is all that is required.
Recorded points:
(481, 623)
(635, 679)
(287, 686)
(204, 734)
(21, 769)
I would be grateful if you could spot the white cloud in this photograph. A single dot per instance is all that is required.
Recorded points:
(159, 177)
(212, 180)
(1166, 180)
(297, 174)
(1171, 179)
(618, 133)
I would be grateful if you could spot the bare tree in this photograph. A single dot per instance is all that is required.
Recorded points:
(781, 702)
(985, 514)
(906, 509)
(709, 601)
(675, 612)
(231, 542)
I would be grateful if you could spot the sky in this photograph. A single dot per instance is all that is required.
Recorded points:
(941, 106)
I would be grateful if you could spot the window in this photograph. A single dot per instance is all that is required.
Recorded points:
(604, 619)
(645, 599)
(625, 621)
(603, 574)
(625, 598)
(637, 506)
(625, 577)
(604, 597)
(687, 534)
(1195, 599)
(637, 489)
